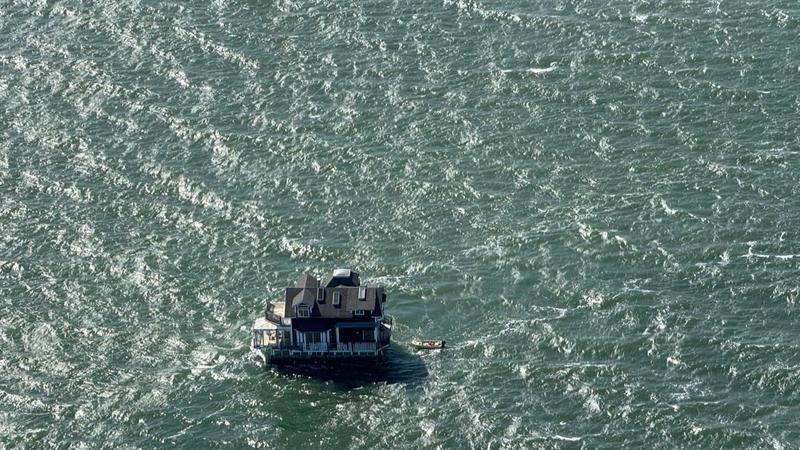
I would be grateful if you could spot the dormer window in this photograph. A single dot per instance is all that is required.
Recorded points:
(337, 299)
(321, 295)
(362, 292)
(302, 311)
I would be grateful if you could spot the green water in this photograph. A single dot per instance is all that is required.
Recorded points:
(595, 204)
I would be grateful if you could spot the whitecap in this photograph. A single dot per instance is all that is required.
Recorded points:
(533, 70)
(538, 70)
(566, 438)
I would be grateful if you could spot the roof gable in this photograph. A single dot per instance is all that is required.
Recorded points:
(307, 281)
(319, 298)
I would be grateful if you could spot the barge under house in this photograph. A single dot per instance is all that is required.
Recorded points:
(338, 318)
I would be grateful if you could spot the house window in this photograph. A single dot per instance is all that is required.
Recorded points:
(302, 311)
(337, 299)
(362, 292)
(321, 295)
(359, 312)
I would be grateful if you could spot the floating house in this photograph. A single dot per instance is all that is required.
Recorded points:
(333, 319)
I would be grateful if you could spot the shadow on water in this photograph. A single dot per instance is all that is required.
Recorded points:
(398, 366)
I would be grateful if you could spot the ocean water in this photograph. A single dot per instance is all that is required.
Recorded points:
(595, 203)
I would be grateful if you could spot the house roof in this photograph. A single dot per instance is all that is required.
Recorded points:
(307, 281)
(301, 295)
(321, 303)
(349, 301)
(342, 277)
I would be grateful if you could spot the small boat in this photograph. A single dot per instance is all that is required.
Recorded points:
(427, 345)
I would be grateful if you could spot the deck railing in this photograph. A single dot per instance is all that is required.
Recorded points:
(272, 317)
(310, 350)
(363, 346)
(315, 347)
(324, 347)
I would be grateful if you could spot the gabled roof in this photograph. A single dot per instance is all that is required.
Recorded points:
(307, 281)
(300, 295)
(319, 299)
(350, 302)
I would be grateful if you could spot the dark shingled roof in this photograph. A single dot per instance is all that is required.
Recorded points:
(307, 293)
(307, 281)
(324, 307)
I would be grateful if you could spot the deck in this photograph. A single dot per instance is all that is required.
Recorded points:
(265, 329)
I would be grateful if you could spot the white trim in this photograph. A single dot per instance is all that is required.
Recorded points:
(302, 307)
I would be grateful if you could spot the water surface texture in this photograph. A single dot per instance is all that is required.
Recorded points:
(595, 203)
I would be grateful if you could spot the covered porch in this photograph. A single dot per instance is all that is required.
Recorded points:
(344, 339)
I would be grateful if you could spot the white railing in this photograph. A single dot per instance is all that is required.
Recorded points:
(315, 346)
(363, 346)
(309, 349)
(356, 347)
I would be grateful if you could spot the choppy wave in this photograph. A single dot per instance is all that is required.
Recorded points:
(596, 205)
